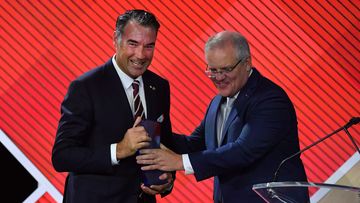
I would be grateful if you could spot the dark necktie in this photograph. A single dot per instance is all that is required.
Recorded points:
(138, 107)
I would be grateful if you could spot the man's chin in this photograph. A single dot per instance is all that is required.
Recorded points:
(137, 72)
(224, 93)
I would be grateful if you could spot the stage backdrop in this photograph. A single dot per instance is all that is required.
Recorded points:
(310, 48)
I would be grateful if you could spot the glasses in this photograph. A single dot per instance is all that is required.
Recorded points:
(212, 72)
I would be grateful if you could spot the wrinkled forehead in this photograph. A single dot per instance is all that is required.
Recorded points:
(136, 32)
(220, 56)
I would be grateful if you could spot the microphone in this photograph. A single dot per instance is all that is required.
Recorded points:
(352, 121)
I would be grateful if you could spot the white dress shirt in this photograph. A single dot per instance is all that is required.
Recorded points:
(223, 113)
(221, 118)
(127, 84)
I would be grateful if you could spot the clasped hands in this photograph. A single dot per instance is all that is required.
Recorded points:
(162, 159)
(137, 138)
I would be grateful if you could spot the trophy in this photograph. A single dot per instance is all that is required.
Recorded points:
(153, 128)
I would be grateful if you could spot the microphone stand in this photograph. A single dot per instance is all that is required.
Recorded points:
(352, 121)
(352, 139)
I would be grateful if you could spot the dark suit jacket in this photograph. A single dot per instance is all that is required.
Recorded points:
(95, 114)
(260, 132)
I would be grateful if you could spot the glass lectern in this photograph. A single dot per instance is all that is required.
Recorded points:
(288, 192)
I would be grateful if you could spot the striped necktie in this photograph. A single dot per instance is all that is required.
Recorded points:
(138, 107)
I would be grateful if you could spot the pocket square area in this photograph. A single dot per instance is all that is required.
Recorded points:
(160, 119)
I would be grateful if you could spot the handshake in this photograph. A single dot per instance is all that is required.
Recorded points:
(156, 156)
(155, 159)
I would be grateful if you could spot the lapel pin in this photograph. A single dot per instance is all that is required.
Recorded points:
(152, 87)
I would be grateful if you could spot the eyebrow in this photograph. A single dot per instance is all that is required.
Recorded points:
(131, 40)
(221, 68)
(134, 41)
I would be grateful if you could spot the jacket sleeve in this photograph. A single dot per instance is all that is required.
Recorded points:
(266, 123)
(70, 151)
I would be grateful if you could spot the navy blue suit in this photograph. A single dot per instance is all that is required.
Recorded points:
(260, 132)
(95, 114)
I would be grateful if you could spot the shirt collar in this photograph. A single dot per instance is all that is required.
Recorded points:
(236, 95)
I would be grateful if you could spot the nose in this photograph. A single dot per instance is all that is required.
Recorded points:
(139, 52)
(218, 76)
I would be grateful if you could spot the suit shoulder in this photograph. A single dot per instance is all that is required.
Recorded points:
(264, 88)
(90, 74)
(92, 78)
(271, 86)
(96, 73)
(155, 77)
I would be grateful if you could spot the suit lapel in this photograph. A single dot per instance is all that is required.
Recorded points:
(211, 121)
(116, 92)
(240, 102)
(150, 90)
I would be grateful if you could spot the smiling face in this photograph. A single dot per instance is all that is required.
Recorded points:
(135, 50)
(228, 84)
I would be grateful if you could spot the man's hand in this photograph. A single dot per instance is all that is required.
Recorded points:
(162, 159)
(135, 138)
(157, 189)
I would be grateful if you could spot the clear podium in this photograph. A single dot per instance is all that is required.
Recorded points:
(290, 192)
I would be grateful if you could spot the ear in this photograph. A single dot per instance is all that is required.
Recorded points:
(114, 39)
(248, 65)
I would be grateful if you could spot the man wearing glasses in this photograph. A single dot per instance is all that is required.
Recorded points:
(248, 129)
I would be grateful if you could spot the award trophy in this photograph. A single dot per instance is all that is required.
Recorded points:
(154, 130)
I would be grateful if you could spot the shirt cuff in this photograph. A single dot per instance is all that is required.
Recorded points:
(187, 165)
(114, 160)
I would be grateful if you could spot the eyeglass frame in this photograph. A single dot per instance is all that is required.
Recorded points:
(221, 71)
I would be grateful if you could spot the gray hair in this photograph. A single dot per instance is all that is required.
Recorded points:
(222, 39)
